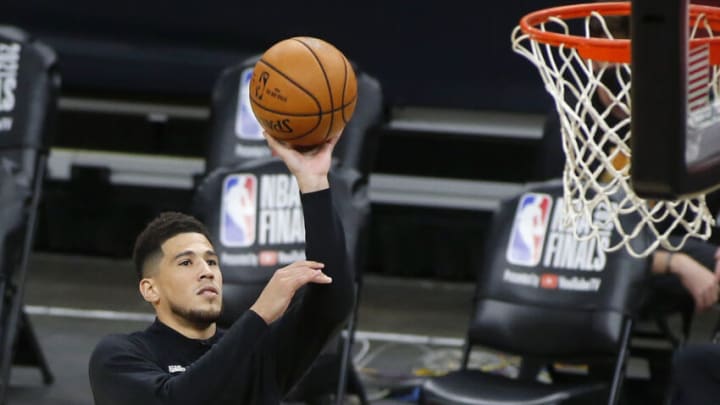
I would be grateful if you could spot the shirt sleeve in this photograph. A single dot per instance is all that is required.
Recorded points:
(700, 250)
(122, 371)
(300, 335)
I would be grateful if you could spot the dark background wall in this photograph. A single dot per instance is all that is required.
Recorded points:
(453, 54)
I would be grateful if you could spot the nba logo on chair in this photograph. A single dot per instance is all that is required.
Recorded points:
(246, 125)
(239, 209)
(529, 228)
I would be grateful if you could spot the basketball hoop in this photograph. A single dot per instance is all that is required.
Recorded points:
(585, 66)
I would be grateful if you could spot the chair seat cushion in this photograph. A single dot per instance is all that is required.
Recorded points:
(474, 387)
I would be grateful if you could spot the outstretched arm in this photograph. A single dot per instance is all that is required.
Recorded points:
(300, 335)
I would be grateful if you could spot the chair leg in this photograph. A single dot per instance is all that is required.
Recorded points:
(619, 372)
(467, 348)
(10, 317)
(27, 334)
(357, 385)
(345, 363)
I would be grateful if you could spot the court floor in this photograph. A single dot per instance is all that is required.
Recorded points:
(407, 328)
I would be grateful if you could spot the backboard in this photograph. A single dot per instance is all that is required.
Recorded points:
(675, 122)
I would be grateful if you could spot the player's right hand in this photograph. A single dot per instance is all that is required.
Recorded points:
(309, 167)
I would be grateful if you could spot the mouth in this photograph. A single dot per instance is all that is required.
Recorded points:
(208, 291)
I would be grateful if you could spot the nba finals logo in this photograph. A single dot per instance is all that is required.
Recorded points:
(528, 231)
(239, 208)
(246, 125)
(9, 66)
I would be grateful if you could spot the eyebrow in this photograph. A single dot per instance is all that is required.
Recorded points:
(191, 253)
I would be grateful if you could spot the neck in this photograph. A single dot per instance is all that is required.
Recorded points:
(189, 329)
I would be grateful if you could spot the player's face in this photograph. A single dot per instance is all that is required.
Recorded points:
(189, 279)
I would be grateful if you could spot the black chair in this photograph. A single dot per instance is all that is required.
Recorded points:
(666, 296)
(550, 299)
(239, 166)
(30, 84)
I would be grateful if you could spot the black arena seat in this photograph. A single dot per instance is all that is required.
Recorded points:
(29, 86)
(549, 298)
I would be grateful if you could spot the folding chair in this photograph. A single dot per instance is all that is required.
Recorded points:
(30, 86)
(551, 299)
(666, 297)
(239, 162)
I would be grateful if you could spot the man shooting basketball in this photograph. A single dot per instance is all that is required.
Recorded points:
(183, 358)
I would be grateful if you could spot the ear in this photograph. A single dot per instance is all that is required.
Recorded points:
(149, 290)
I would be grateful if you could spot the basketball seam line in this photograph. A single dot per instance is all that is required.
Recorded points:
(342, 107)
(319, 115)
(327, 82)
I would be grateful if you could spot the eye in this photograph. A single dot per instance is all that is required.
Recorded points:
(186, 262)
(212, 262)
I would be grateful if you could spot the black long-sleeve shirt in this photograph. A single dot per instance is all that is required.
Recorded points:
(251, 362)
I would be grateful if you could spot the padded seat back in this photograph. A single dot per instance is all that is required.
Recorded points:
(543, 291)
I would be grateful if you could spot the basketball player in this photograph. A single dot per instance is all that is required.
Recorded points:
(182, 357)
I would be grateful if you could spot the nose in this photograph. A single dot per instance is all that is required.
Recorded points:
(206, 271)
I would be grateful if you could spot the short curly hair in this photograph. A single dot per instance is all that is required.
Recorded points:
(163, 227)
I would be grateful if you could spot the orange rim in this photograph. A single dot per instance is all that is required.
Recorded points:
(604, 49)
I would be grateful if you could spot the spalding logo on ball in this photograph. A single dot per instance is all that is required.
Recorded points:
(303, 91)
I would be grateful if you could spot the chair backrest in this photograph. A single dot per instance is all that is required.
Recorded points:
(549, 155)
(253, 212)
(234, 134)
(542, 292)
(29, 86)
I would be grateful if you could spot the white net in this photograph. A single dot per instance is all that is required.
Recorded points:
(593, 102)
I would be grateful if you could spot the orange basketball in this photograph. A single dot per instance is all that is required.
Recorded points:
(303, 91)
